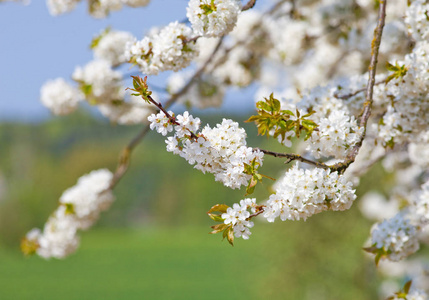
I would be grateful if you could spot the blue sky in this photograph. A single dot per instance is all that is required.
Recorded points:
(36, 46)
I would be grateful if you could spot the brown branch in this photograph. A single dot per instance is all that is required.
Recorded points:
(347, 96)
(366, 112)
(290, 157)
(249, 5)
(259, 210)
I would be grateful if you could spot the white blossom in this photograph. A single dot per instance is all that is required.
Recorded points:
(238, 216)
(167, 50)
(102, 8)
(396, 236)
(213, 17)
(79, 208)
(111, 47)
(89, 196)
(303, 193)
(60, 97)
(161, 123)
(221, 150)
(58, 7)
(416, 19)
(99, 82)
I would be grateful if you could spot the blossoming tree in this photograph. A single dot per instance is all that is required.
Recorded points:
(346, 82)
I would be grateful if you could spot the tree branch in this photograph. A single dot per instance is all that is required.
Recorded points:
(347, 96)
(366, 112)
(249, 5)
(290, 157)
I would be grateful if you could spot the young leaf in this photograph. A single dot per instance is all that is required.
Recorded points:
(218, 207)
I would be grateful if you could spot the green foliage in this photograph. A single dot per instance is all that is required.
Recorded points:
(96, 40)
(208, 8)
(403, 293)
(398, 71)
(227, 229)
(271, 118)
(252, 169)
(141, 88)
(379, 253)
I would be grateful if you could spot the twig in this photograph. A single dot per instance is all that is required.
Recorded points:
(290, 157)
(347, 96)
(366, 112)
(259, 210)
(249, 5)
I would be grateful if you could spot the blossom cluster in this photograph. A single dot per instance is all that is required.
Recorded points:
(60, 97)
(212, 18)
(79, 209)
(169, 49)
(303, 193)
(110, 46)
(338, 130)
(420, 204)
(98, 9)
(406, 99)
(417, 21)
(238, 216)
(335, 136)
(99, 84)
(220, 150)
(396, 237)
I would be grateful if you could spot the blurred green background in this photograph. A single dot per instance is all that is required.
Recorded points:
(153, 243)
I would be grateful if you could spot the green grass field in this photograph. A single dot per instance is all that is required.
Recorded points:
(280, 261)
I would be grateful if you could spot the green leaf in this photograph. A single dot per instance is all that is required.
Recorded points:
(309, 124)
(86, 89)
(390, 67)
(225, 232)
(95, 41)
(251, 187)
(407, 286)
(287, 112)
(69, 209)
(29, 247)
(230, 235)
(216, 218)
(218, 207)
(218, 228)
(377, 258)
(267, 177)
(276, 105)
